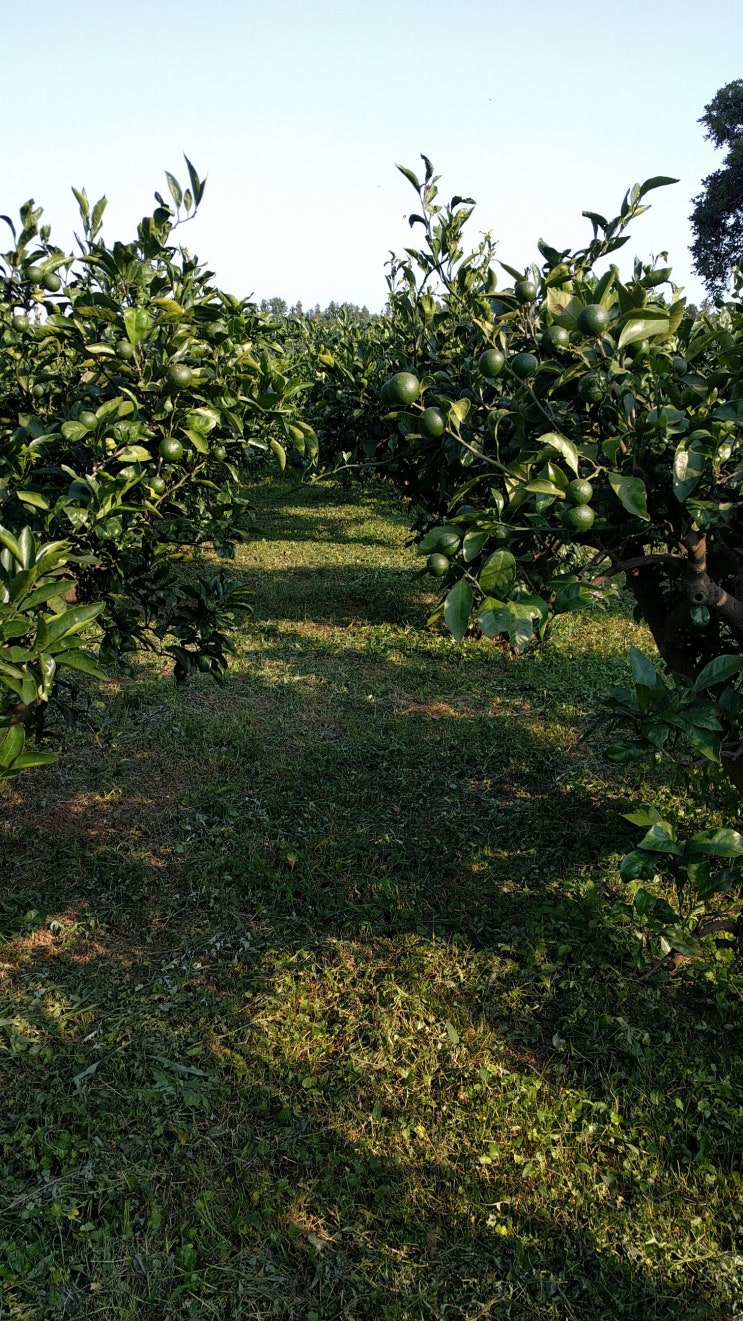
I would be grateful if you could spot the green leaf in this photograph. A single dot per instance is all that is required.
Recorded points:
(412, 178)
(540, 486)
(631, 492)
(493, 617)
(8, 540)
(73, 431)
(136, 323)
(688, 467)
(563, 306)
(175, 188)
(457, 608)
(457, 413)
(280, 453)
(722, 843)
(82, 661)
(473, 544)
(169, 306)
(643, 816)
(641, 325)
(497, 572)
(636, 866)
(563, 446)
(44, 593)
(575, 596)
(198, 185)
(72, 621)
(731, 412)
(28, 759)
(33, 498)
(516, 275)
(11, 744)
(432, 539)
(133, 454)
(644, 901)
(660, 838)
(197, 440)
(516, 618)
(27, 545)
(202, 419)
(702, 740)
(657, 181)
(643, 670)
(717, 671)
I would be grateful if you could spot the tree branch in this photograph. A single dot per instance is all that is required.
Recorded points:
(640, 562)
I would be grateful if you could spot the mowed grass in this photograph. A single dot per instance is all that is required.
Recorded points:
(314, 1002)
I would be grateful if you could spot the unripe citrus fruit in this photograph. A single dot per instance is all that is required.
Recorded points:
(433, 422)
(555, 337)
(402, 388)
(491, 363)
(578, 492)
(638, 349)
(577, 518)
(524, 365)
(170, 449)
(448, 543)
(157, 484)
(437, 564)
(51, 282)
(88, 419)
(124, 350)
(219, 453)
(525, 291)
(35, 274)
(111, 529)
(591, 388)
(593, 319)
(178, 375)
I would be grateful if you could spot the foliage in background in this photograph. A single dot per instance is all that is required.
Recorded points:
(717, 218)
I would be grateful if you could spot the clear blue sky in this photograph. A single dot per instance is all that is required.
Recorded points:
(298, 110)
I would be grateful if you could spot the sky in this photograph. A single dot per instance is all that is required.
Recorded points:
(297, 111)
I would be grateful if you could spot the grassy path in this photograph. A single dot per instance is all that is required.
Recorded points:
(314, 1003)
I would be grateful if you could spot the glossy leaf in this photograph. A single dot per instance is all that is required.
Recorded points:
(457, 607)
(631, 492)
(719, 670)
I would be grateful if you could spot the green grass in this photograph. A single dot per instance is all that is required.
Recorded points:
(315, 1005)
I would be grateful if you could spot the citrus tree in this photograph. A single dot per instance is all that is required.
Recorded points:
(566, 433)
(133, 392)
(569, 431)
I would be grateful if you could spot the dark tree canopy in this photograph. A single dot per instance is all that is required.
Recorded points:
(717, 218)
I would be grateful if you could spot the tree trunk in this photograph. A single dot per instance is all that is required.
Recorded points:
(665, 601)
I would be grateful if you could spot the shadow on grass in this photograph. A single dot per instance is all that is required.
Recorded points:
(275, 1213)
(319, 934)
